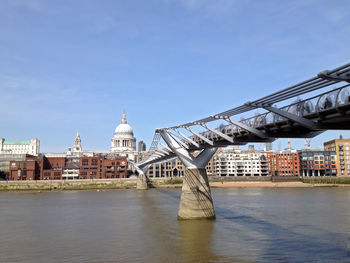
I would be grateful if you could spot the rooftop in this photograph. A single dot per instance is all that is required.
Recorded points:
(16, 142)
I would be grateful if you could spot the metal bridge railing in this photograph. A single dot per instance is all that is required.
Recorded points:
(301, 111)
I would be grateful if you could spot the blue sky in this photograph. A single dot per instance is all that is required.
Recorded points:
(75, 65)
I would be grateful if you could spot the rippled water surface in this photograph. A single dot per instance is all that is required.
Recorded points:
(252, 225)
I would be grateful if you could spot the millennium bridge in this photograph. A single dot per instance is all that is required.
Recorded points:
(284, 114)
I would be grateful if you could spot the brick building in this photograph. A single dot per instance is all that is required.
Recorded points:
(109, 166)
(341, 147)
(317, 163)
(284, 163)
(114, 167)
(5, 160)
(51, 168)
(90, 168)
(27, 169)
(69, 168)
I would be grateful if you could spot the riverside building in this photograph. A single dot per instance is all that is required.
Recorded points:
(5, 160)
(100, 166)
(283, 163)
(235, 162)
(341, 147)
(31, 147)
(171, 168)
(27, 169)
(317, 163)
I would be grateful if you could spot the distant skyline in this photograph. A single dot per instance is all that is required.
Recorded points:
(68, 66)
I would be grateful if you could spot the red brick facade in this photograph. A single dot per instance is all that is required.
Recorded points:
(98, 168)
(90, 168)
(283, 164)
(115, 168)
(25, 170)
(51, 168)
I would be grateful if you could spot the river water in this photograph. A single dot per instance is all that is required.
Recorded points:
(252, 225)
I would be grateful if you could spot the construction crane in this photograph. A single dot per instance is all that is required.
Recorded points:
(307, 143)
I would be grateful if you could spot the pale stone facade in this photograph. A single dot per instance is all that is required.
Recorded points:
(342, 149)
(235, 162)
(77, 144)
(77, 150)
(31, 147)
(123, 141)
(171, 168)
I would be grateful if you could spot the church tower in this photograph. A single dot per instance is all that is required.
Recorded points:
(77, 144)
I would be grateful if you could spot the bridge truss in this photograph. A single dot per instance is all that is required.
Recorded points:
(285, 115)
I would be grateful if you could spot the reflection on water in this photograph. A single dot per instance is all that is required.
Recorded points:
(195, 240)
(252, 225)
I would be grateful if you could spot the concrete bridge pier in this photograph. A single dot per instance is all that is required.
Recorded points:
(196, 201)
(142, 180)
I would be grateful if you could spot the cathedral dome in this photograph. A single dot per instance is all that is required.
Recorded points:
(124, 128)
(123, 139)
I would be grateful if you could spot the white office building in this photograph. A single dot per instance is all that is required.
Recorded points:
(31, 147)
(235, 162)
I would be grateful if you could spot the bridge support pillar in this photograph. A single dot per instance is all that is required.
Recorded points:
(142, 179)
(142, 182)
(196, 201)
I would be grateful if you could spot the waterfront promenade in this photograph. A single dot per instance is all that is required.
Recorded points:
(130, 183)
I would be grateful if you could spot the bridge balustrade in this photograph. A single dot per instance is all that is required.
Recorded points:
(246, 122)
(230, 129)
(334, 99)
(259, 120)
(295, 108)
(327, 101)
(309, 107)
(279, 118)
(343, 97)
(270, 118)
